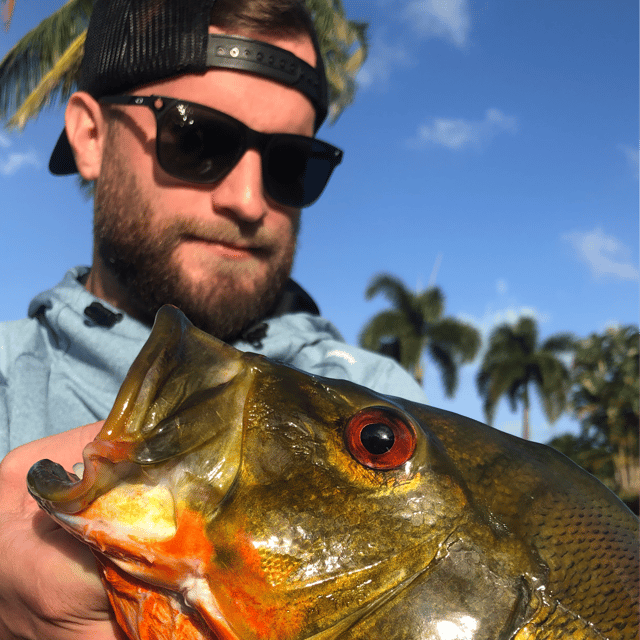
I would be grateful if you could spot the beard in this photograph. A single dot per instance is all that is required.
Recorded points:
(141, 259)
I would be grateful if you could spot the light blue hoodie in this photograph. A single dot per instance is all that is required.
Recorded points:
(59, 369)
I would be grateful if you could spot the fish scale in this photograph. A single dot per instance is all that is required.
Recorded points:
(590, 547)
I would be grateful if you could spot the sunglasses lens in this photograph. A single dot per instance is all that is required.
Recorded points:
(296, 169)
(200, 145)
(197, 145)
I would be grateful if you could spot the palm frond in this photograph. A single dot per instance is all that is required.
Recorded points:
(61, 76)
(392, 288)
(386, 324)
(500, 378)
(431, 304)
(514, 360)
(518, 390)
(36, 54)
(559, 343)
(402, 299)
(526, 332)
(463, 338)
(344, 47)
(502, 341)
(392, 325)
(446, 363)
(553, 399)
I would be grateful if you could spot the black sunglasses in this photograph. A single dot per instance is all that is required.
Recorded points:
(199, 144)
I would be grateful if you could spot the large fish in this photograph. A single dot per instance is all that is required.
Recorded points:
(233, 498)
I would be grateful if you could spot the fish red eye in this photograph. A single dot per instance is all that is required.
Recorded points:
(380, 438)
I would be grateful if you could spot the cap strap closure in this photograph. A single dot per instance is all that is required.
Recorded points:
(244, 54)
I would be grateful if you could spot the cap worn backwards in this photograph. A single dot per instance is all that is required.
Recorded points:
(135, 42)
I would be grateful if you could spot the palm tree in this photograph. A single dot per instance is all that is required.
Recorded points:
(514, 360)
(45, 63)
(605, 398)
(415, 323)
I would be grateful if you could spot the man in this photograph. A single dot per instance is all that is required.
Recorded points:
(197, 203)
(191, 208)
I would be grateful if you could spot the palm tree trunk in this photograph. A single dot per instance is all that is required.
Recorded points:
(418, 372)
(525, 416)
(625, 469)
(525, 424)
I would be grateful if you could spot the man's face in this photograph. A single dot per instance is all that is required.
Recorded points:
(220, 252)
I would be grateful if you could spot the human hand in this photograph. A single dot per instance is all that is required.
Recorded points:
(50, 587)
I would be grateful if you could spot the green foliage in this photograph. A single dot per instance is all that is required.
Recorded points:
(605, 373)
(514, 360)
(344, 47)
(604, 397)
(592, 456)
(36, 55)
(415, 324)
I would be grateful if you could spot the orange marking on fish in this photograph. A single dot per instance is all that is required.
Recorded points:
(245, 592)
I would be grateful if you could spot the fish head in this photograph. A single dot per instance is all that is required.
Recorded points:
(274, 503)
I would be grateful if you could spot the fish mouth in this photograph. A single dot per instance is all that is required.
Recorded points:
(162, 413)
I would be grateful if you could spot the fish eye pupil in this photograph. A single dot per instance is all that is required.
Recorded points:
(377, 438)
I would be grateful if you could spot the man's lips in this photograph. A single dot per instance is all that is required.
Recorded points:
(233, 249)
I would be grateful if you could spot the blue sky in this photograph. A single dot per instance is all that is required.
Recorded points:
(492, 149)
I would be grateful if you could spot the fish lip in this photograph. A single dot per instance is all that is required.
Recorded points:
(162, 367)
(57, 490)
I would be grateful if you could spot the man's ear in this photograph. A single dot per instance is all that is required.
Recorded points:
(86, 131)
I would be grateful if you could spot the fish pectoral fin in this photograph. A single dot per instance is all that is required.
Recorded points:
(553, 620)
(456, 596)
(148, 612)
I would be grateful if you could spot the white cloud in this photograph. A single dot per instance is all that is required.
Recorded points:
(502, 286)
(604, 254)
(631, 155)
(418, 20)
(11, 164)
(460, 134)
(382, 60)
(447, 19)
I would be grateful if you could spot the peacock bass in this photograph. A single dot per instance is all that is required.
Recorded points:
(231, 497)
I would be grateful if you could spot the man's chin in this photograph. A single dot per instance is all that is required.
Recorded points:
(243, 274)
(227, 302)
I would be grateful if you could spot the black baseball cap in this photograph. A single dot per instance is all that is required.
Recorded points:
(131, 43)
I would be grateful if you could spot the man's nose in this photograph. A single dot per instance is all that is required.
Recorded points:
(241, 191)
